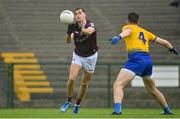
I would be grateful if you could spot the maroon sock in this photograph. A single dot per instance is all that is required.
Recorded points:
(69, 99)
(78, 101)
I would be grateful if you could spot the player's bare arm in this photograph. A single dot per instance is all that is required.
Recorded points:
(163, 42)
(166, 44)
(87, 31)
(125, 33)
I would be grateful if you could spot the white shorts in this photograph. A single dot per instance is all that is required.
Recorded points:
(87, 63)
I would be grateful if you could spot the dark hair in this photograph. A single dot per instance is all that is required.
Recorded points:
(133, 18)
(79, 8)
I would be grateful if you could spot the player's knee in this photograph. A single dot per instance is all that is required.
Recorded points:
(71, 82)
(118, 84)
(72, 78)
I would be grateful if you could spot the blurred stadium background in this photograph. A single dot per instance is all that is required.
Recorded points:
(35, 58)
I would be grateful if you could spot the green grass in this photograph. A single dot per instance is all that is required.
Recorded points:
(85, 113)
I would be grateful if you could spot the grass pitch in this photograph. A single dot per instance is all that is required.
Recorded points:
(85, 113)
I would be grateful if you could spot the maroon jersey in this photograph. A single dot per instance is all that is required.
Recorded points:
(85, 45)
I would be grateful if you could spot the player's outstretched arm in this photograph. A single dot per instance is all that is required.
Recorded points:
(87, 31)
(166, 44)
(122, 35)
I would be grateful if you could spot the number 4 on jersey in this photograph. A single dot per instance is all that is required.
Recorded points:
(141, 37)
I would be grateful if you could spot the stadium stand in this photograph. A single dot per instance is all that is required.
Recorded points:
(33, 26)
(28, 75)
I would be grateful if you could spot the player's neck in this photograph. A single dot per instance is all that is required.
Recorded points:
(82, 23)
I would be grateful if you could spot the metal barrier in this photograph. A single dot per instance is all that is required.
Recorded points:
(105, 72)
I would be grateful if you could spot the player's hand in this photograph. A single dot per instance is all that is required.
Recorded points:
(82, 29)
(115, 40)
(174, 51)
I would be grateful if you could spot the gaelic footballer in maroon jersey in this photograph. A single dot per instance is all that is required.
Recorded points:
(84, 57)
